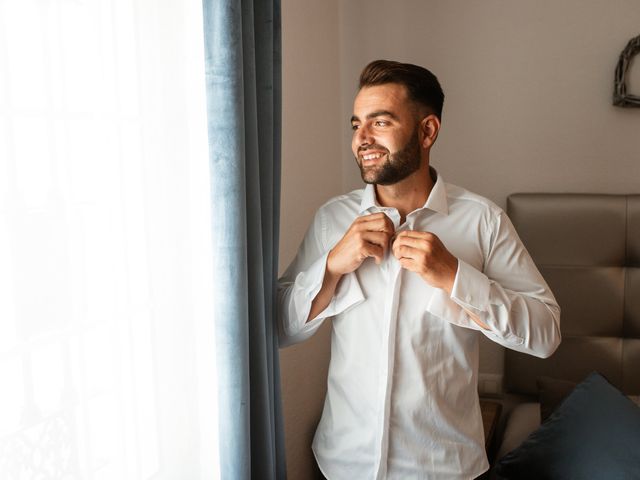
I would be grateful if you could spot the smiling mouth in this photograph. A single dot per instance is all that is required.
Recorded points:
(371, 158)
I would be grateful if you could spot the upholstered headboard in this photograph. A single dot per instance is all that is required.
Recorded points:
(587, 247)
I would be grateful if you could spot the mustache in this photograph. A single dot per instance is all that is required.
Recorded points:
(375, 146)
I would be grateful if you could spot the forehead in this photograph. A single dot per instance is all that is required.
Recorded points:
(391, 97)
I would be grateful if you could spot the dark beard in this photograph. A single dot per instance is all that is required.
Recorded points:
(398, 165)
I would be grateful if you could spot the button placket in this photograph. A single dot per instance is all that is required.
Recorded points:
(394, 279)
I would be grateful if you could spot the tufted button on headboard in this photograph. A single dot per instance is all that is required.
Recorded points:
(587, 247)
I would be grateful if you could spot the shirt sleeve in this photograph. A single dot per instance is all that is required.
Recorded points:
(510, 296)
(302, 281)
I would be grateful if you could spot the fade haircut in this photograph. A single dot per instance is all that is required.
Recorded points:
(422, 85)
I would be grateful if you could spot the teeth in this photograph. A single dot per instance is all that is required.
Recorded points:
(371, 156)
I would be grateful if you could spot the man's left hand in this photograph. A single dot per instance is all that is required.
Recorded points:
(425, 254)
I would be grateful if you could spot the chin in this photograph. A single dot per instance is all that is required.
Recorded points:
(367, 177)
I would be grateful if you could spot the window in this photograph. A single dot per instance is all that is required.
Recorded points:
(107, 361)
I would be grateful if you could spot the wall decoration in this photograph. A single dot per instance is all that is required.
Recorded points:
(620, 96)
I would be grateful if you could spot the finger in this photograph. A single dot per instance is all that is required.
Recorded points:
(405, 251)
(416, 234)
(378, 222)
(378, 225)
(412, 242)
(389, 222)
(409, 264)
(372, 217)
(375, 251)
(377, 238)
(419, 243)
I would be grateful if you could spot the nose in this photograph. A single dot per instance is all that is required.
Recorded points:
(362, 136)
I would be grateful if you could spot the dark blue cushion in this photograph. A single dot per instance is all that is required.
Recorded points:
(593, 434)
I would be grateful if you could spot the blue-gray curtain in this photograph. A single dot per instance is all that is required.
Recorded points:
(243, 80)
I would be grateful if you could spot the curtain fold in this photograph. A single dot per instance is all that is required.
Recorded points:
(243, 83)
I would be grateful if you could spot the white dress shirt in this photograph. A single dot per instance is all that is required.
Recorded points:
(402, 399)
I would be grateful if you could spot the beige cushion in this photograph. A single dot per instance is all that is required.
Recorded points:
(523, 420)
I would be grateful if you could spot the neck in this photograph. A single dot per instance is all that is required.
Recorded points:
(407, 195)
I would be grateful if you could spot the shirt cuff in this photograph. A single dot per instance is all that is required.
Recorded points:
(472, 291)
(471, 288)
(348, 292)
(470, 294)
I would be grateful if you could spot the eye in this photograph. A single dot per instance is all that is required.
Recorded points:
(354, 126)
(381, 123)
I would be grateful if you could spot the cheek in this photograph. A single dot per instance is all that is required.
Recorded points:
(354, 146)
(388, 141)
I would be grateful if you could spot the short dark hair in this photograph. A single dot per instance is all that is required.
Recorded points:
(422, 85)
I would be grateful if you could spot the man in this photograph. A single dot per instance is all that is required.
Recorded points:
(411, 270)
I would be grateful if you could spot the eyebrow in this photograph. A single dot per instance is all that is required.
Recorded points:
(377, 113)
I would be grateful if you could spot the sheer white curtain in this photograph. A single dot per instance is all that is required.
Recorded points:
(107, 365)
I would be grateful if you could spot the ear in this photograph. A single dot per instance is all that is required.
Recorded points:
(429, 128)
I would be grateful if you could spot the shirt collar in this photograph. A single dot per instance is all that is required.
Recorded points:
(436, 201)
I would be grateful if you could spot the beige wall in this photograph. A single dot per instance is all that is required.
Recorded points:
(311, 173)
(528, 108)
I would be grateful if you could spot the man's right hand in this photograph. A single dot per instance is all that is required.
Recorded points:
(368, 236)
